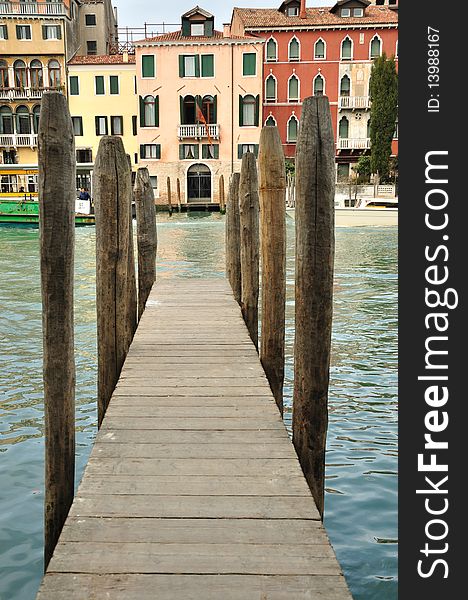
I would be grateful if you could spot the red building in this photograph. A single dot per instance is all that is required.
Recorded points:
(322, 50)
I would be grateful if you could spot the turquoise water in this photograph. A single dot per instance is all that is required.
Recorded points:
(361, 499)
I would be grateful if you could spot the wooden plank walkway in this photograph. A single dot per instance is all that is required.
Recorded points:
(193, 490)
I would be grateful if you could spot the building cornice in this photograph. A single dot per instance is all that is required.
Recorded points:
(222, 42)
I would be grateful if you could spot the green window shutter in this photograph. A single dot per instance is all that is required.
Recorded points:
(216, 151)
(196, 151)
(182, 122)
(96, 122)
(185, 27)
(256, 147)
(59, 32)
(158, 150)
(239, 151)
(74, 86)
(156, 111)
(209, 28)
(215, 109)
(241, 111)
(142, 112)
(181, 151)
(147, 65)
(207, 65)
(44, 32)
(250, 64)
(99, 81)
(204, 153)
(257, 110)
(181, 65)
(134, 125)
(142, 151)
(114, 84)
(197, 66)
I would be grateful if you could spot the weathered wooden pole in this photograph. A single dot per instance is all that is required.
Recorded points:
(249, 228)
(233, 263)
(179, 201)
(272, 191)
(147, 237)
(315, 244)
(169, 195)
(116, 298)
(222, 201)
(57, 184)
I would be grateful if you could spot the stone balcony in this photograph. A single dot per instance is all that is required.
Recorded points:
(353, 144)
(355, 102)
(27, 93)
(18, 140)
(49, 9)
(196, 132)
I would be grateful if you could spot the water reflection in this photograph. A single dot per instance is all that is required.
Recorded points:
(361, 484)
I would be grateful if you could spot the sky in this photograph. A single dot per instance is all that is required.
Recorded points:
(133, 13)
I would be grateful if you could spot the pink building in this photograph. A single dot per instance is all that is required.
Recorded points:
(200, 106)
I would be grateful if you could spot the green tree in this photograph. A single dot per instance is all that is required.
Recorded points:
(384, 112)
(363, 168)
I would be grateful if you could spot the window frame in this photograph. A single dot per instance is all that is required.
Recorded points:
(90, 24)
(103, 79)
(95, 51)
(120, 120)
(375, 37)
(4, 28)
(294, 59)
(271, 60)
(288, 139)
(70, 87)
(298, 99)
(347, 37)
(359, 10)
(197, 24)
(111, 79)
(324, 57)
(244, 55)
(153, 67)
(345, 13)
(80, 121)
(202, 57)
(46, 27)
(267, 99)
(98, 128)
(25, 28)
(319, 75)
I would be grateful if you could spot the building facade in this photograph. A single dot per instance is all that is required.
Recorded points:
(98, 27)
(322, 51)
(103, 101)
(200, 95)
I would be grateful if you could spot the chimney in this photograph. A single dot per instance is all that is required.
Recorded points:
(227, 30)
(303, 13)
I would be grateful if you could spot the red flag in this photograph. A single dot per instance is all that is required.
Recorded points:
(201, 118)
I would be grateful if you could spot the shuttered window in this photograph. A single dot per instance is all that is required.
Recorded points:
(99, 85)
(249, 64)
(114, 84)
(210, 152)
(147, 65)
(74, 85)
(244, 148)
(150, 151)
(207, 65)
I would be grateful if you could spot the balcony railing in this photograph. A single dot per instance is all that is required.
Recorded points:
(19, 140)
(353, 144)
(33, 8)
(355, 102)
(28, 93)
(197, 131)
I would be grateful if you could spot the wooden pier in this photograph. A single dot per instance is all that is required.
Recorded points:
(193, 490)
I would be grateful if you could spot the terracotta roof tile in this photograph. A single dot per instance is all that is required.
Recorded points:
(101, 59)
(176, 36)
(254, 18)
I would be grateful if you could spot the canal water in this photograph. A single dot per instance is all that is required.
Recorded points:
(361, 485)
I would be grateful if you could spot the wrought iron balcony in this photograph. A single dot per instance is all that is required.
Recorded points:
(353, 144)
(355, 102)
(33, 8)
(19, 140)
(197, 132)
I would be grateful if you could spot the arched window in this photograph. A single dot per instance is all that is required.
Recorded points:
(347, 49)
(36, 73)
(319, 85)
(293, 127)
(248, 110)
(270, 122)
(294, 49)
(21, 77)
(319, 49)
(188, 111)
(344, 128)
(23, 120)
(6, 120)
(55, 76)
(36, 113)
(149, 111)
(375, 47)
(271, 50)
(270, 89)
(209, 109)
(345, 86)
(293, 89)
(4, 79)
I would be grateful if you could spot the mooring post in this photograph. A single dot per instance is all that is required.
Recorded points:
(169, 196)
(179, 201)
(272, 192)
(233, 264)
(147, 237)
(249, 229)
(315, 244)
(222, 201)
(57, 181)
(116, 298)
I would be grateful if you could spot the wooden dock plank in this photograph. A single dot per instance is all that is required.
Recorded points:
(193, 490)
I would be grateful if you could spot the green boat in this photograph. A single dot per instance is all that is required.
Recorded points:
(26, 212)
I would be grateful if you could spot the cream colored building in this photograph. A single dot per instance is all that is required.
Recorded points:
(188, 73)
(103, 101)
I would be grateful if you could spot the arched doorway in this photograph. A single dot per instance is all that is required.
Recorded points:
(199, 183)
